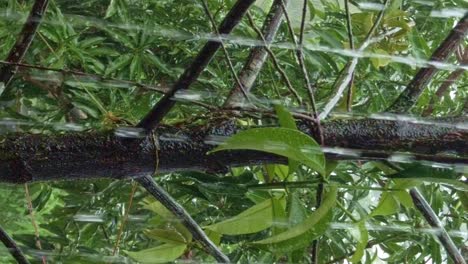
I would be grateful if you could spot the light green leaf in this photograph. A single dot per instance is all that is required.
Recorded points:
(285, 142)
(387, 205)
(362, 237)
(111, 9)
(309, 223)
(286, 120)
(167, 236)
(160, 254)
(256, 218)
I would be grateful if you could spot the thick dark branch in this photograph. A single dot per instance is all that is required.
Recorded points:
(165, 104)
(412, 92)
(25, 158)
(23, 41)
(11, 245)
(162, 196)
(423, 206)
(257, 55)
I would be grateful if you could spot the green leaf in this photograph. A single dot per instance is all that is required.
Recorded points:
(111, 9)
(255, 219)
(162, 211)
(119, 63)
(309, 223)
(463, 199)
(167, 236)
(362, 237)
(160, 254)
(422, 173)
(387, 205)
(286, 120)
(279, 215)
(280, 141)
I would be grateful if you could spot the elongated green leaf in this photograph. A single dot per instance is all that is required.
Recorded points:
(362, 236)
(431, 174)
(119, 63)
(285, 142)
(255, 219)
(309, 223)
(160, 254)
(286, 120)
(167, 236)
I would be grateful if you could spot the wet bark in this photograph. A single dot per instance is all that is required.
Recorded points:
(26, 158)
(23, 41)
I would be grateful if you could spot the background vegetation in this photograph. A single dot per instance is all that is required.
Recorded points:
(133, 48)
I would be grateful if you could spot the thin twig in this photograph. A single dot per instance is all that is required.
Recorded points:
(33, 220)
(347, 73)
(23, 41)
(124, 220)
(165, 199)
(191, 74)
(316, 243)
(423, 206)
(275, 61)
(12, 247)
(226, 54)
(349, 101)
(419, 82)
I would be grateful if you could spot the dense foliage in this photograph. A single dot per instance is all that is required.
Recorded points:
(130, 48)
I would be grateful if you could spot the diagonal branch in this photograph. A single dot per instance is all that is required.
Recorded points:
(349, 100)
(165, 104)
(258, 55)
(423, 206)
(23, 41)
(11, 245)
(164, 198)
(226, 54)
(415, 88)
(447, 83)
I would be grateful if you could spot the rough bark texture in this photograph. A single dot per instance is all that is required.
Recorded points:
(23, 41)
(412, 92)
(25, 158)
(257, 55)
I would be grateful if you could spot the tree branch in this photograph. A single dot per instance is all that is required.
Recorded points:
(165, 104)
(257, 56)
(423, 206)
(12, 247)
(23, 41)
(414, 89)
(162, 196)
(26, 157)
